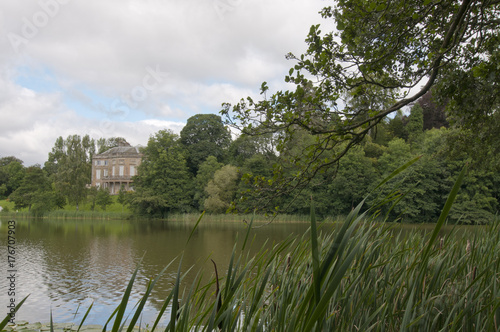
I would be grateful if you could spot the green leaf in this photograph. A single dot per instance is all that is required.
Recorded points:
(8, 317)
(85, 316)
(315, 256)
(195, 227)
(444, 212)
(123, 304)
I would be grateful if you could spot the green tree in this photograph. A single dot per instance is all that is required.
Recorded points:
(481, 145)
(402, 48)
(163, 183)
(70, 163)
(397, 125)
(205, 173)
(255, 170)
(245, 147)
(415, 126)
(397, 153)
(204, 135)
(373, 150)
(35, 192)
(12, 173)
(471, 89)
(92, 197)
(122, 197)
(423, 187)
(221, 189)
(103, 198)
(354, 178)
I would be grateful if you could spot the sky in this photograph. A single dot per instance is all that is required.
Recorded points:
(130, 68)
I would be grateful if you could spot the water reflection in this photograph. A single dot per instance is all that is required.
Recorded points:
(67, 265)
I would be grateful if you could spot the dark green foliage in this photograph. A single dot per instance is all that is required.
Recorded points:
(204, 135)
(373, 150)
(381, 58)
(11, 175)
(478, 200)
(205, 173)
(163, 185)
(70, 165)
(254, 170)
(103, 198)
(415, 126)
(122, 197)
(221, 189)
(36, 193)
(397, 126)
(92, 197)
(356, 175)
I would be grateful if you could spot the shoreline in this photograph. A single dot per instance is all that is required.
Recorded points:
(25, 326)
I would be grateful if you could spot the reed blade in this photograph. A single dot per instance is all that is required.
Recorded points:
(123, 304)
(85, 316)
(9, 317)
(445, 211)
(195, 227)
(315, 256)
(145, 297)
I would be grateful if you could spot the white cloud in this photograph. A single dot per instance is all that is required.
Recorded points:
(84, 64)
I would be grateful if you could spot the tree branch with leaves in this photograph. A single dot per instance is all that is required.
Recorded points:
(383, 56)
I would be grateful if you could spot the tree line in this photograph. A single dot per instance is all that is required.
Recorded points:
(203, 168)
(344, 124)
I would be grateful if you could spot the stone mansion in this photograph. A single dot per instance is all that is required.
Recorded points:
(115, 167)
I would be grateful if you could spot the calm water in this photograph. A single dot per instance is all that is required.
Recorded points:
(67, 265)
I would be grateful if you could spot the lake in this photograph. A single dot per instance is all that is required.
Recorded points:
(66, 266)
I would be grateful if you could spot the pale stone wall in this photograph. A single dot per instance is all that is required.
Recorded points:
(115, 168)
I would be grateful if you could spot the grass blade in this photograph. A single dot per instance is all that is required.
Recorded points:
(195, 227)
(396, 172)
(123, 304)
(444, 212)
(249, 227)
(9, 317)
(85, 317)
(51, 322)
(315, 256)
(175, 300)
(149, 288)
(104, 329)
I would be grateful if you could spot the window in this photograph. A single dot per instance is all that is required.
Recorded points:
(113, 171)
(132, 170)
(97, 162)
(98, 174)
(105, 173)
(121, 170)
(105, 163)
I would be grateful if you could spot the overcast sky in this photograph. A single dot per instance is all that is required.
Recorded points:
(132, 67)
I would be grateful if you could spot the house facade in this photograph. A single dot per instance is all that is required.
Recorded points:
(115, 168)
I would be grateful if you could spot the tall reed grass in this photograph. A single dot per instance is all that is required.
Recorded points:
(360, 277)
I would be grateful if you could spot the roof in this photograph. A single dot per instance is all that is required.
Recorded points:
(121, 151)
